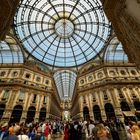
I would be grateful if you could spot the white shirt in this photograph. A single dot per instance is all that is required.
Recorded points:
(90, 127)
(43, 128)
(23, 137)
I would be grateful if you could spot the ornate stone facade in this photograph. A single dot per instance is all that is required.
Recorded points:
(106, 86)
(24, 87)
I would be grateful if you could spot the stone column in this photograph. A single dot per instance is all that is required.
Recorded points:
(10, 104)
(1, 89)
(23, 116)
(116, 102)
(25, 106)
(38, 101)
(81, 107)
(48, 107)
(129, 100)
(133, 109)
(27, 103)
(137, 91)
(90, 106)
(101, 104)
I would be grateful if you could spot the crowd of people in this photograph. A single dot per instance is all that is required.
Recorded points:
(108, 130)
(78, 130)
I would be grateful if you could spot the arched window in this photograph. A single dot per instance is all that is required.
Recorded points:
(109, 111)
(137, 105)
(97, 113)
(16, 114)
(125, 106)
(86, 113)
(42, 115)
(2, 108)
(31, 114)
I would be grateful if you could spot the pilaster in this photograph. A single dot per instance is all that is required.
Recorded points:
(101, 102)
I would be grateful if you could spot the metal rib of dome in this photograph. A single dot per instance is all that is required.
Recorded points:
(62, 33)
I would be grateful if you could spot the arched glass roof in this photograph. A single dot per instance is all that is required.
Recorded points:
(10, 52)
(65, 83)
(115, 53)
(62, 33)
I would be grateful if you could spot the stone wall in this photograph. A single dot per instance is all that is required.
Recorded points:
(125, 19)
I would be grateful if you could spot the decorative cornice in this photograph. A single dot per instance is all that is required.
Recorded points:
(17, 86)
(108, 84)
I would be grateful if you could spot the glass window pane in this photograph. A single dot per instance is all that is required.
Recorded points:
(79, 31)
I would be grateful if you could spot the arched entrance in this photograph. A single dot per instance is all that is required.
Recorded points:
(31, 114)
(97, 113)
(137, 106)
(128, 115)
(86, 113)
(2, 108)
(109, 111)
(125, 106)
(16, 114)
(42, 114)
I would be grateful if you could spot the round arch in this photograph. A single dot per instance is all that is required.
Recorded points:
(125, 106)
(16, 114)
(109, 111)
(2, 108)
(86, 113)
(97, 113)
(42, 114)
(31, 114)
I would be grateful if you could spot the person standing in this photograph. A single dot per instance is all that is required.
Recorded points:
(4, 131)
(103, 133)
(66, 131)
(90, 128)
(47, 131)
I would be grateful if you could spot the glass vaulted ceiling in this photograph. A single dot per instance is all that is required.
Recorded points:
(115, 53)
(65, 82)
(62, 33)
(10, 51)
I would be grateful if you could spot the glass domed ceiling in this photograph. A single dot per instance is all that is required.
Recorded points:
(10, 51)
(115, 53)
(62, 33)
